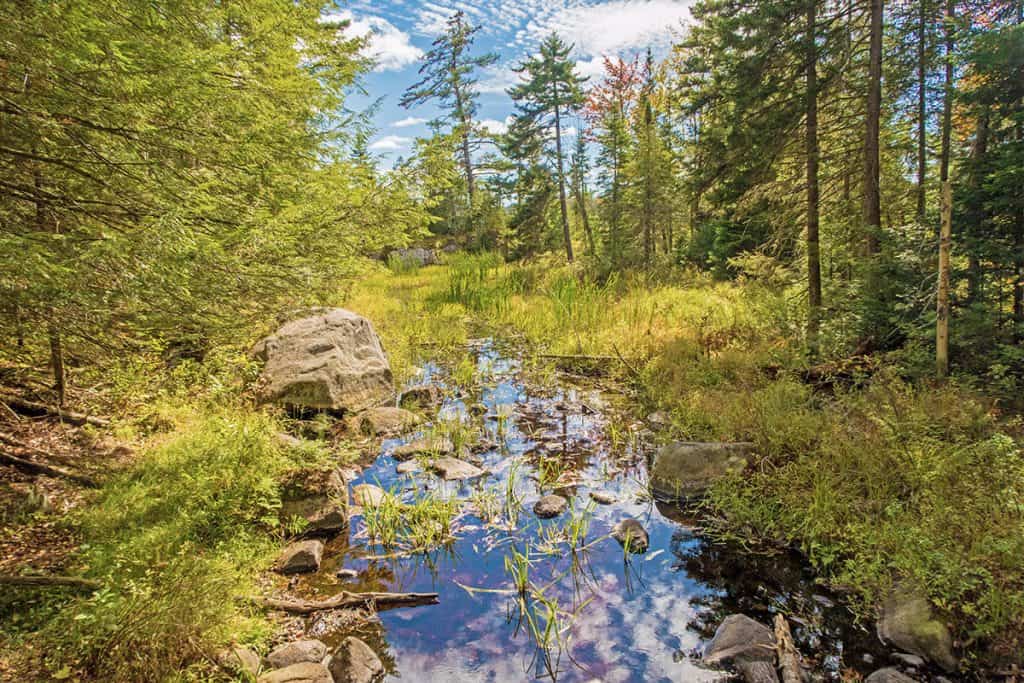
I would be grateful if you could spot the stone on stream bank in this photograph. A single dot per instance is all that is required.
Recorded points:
(906, 620)
(685, 469)
(368, 495)
(354, 662)
(297, 652)
(301, 557)
(331, 360)
(307, 672)
(383, 421)
(746, 645)
(420, 396)
(240, 660)
(888, 675)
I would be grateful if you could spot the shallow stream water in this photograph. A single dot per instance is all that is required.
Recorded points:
(620, 617)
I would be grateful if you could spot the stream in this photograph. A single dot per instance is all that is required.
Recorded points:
(597, 612)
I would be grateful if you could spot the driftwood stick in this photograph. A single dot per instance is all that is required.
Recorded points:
(48, 470)
(69, 581)
(345, 599)
(574, 356)
(38, 409)
(633, 371)
(789, 658)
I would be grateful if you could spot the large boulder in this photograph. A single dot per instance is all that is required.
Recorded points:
(747, 646)
(907, 622)
(414, 256)
(332, 360)
(685, 469)
(355, 662)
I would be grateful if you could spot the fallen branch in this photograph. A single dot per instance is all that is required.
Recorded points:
(574, 356)
(21, 448)
(48, 470)
(633, 371)
(68, 581)
(789, 658)
(344, 600)
(39, 409)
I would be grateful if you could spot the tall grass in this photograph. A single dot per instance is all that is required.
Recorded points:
(172, 541)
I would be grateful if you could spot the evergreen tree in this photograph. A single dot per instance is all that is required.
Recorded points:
(448, 77)
(551, 92)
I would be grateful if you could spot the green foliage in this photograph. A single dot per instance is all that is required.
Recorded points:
(173, 540)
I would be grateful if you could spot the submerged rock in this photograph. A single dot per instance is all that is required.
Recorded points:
(685, 469)
(384, 421)
(368, 495)
(307, 672)
(602, 497)
(354, 662)
(632, 535)
(407, 467)
(449, 468)
(425, 446)
(888, 675)
(332, 360)
(298, 652)
(550, 506)
(906, 621)
(240, 659)
(301, 557)
(746, 645)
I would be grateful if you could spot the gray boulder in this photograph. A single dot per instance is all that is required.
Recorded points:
(632, 535)
(906, 621)
(332, 360)
(451, 469)
(686, 469)
(306, 672)
(550, 506)
(301, 557)
(414, 256)
(746, 645)
(355, 662)
(888, 675)
(298, 652)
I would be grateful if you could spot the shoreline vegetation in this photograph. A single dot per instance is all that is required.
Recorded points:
(873, 477)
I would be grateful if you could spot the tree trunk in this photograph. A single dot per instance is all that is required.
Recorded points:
(942, 305)
(561, 184)
(872, 192)
(947, 98)
(467, 124)
(811, 142)
(922, 111)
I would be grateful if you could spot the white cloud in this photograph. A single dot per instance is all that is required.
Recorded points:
(390, 143)
(497, 79)
(389, 47)
(494, 126)
(614, 27)
(408, 121)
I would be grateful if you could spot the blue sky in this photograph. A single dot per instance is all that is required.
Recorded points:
(402, 30)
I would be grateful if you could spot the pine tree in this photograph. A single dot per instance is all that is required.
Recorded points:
(551, 92)
(448, 77)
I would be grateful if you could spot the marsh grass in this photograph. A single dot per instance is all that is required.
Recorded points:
(894, 478)
(421, 525)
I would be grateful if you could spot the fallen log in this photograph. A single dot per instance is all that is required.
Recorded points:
(789, 657)
(67, 581)
(345, 599)
(49, 470)
(34, 409)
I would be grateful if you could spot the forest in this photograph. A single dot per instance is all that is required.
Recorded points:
(705, 360)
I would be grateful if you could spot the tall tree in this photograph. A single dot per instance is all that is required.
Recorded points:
(872, 163)
(448, 77)
(552, 90)
(812, 154)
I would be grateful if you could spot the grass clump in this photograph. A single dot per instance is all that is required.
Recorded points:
(172, 540)
(421, 525)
